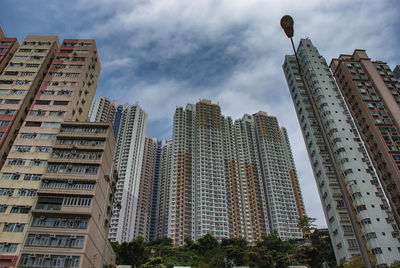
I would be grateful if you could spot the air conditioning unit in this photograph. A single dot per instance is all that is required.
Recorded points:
(47, 256)
(10, 194)
(73, 152)
(42, 218)
(70, 181)
(107, 177)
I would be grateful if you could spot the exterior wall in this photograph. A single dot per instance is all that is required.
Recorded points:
(355, 210)
(19, 83)
(372, 93)
(129, 158)
(144, 206)
(223, 177)
(276, 174)
(65, 94)
(163, 196)
(30, 61)
(73, 209)
(8, 46)
(102, 110)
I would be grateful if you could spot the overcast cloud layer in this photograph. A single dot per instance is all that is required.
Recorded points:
(168, 53)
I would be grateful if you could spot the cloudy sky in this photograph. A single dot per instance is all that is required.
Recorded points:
(166, 53)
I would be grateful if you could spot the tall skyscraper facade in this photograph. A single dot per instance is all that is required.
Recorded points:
(230, 179)
(358, 216)
(64, 93)
(129, 159)
(372, 94)
(146, 186)
(163, 186)
(19, 83)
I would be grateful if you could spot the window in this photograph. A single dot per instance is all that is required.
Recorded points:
(22, 148)
(4, 122)
(32, 177)
(43, 149)
(27, 135)
(6, 191)
(17, 92)
(7, 111)
(61, 102)
(48, 136)
(77, 201)
(31, 65)
(12, 101)
(38, 112)
(52, 124)
(10, 176)
(376, 251)
(72, 75)
(361, 208)
(42, 102)
(27, 192)
(58, 241)
(22, 82)
(20, 209)
(352, 243)
(16, 161)
(13, 227)
(371, 235)
(73, 223)
(64, 92)
(47, 92)
(3, 208)
(38, 163)
(56, 113)
(27, 73)
(33, 124)
(8, 247)
(40, 260)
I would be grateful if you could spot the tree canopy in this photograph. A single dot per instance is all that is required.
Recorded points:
(208, 252)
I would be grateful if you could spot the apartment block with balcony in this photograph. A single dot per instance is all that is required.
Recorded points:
(358, 216)
(19, 83)
(129, 158)
(61, 97)
(71, 217)
(372, 94)
(145, 198)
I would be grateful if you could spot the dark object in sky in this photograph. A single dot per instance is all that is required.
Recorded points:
(287, 25)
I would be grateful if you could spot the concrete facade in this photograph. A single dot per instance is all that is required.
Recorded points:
(372, 94)
(358, 216)
(73, 210)
(129, 159)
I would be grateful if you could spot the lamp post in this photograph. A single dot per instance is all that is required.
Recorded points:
(287, 23)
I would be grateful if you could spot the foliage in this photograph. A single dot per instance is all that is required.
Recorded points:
(208, 252)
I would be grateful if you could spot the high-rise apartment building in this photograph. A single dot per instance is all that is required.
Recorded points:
(231, 179)
(358, 216)
(129, 158)
(8, 46)
(372, 94)
(65, 93)
(19, 83)
(146, 186)
(104, 110)
(163, 189)
(73, 209)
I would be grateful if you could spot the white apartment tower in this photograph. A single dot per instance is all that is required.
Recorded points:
(356, 211)
(129, 158)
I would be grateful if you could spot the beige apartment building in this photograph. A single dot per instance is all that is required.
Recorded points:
(72, 214)
(372, 94)
(19, 83)
(64, 94)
